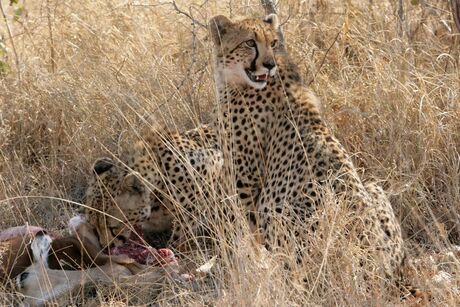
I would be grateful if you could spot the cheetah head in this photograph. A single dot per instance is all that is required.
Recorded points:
(115, 200)
(245, 49)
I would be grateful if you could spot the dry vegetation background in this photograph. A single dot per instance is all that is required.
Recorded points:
(79, 79)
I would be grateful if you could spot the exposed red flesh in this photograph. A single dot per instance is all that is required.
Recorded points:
(137, 249)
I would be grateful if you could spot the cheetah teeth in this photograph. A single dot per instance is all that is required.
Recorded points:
(263, 77)
(257, 78)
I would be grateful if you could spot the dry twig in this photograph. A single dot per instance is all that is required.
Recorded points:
(188, 15)
(10, 35)
(324, 58)
(455, 6)
(269, 6)
(50, 30)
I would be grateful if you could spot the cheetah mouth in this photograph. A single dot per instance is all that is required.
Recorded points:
(257, 78)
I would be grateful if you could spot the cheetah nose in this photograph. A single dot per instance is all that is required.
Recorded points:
(269, 64)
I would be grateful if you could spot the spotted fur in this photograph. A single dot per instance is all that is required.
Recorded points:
(161, 182)
(279, 154)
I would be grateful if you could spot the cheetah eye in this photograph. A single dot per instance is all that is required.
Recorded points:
(274, 44)
(250, 43)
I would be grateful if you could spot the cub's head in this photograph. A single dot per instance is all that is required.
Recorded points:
(245, 49)
(116, 199)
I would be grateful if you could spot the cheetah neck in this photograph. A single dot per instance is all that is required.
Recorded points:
(287, 92)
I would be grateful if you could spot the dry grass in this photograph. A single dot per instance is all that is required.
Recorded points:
(93, 74)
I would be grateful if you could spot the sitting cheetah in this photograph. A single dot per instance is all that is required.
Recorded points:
(278, 152)
(158, 183)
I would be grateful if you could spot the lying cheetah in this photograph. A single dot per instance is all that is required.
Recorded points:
(278, 151)
(160, 183)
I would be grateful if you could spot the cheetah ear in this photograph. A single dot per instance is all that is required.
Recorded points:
(102, 165)
(218, 26)
(133, 183)
(273, 20)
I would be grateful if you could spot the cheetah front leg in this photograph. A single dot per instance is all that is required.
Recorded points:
(178, 238)
(186, 226)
